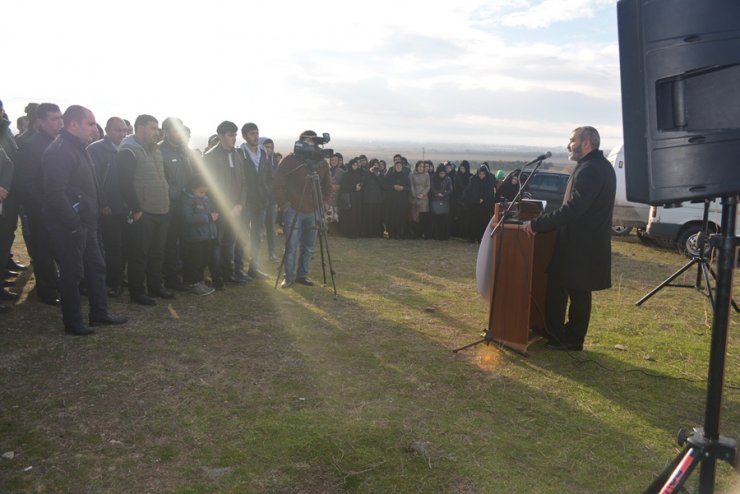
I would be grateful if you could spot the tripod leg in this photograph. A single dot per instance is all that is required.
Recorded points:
(674, 476)
(323, 231)
(732, 301)
(666, 282)
(710, 294)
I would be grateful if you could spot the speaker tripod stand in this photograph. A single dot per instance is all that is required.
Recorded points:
(706, 446)
(704, 271)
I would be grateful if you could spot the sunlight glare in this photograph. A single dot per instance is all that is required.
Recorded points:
(488, 357)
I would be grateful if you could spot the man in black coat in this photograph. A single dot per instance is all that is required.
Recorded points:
(581, 262)
(72, 212)
(28, 184)
(113, 208)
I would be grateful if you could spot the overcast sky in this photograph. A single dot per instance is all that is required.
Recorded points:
(469, 71)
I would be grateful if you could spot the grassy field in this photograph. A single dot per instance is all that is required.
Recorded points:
(293, 391)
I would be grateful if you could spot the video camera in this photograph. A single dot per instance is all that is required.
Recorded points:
(312, 151)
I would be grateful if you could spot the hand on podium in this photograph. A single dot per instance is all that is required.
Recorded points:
(527, 227)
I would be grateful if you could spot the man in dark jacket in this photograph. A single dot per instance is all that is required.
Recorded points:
(114, 211)
(28, 183)
(581, 262)
(258, 180)
(225, 169)
(72, 205)
(8, 204)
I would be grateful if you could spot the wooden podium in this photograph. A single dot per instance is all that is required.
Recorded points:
(518, 270)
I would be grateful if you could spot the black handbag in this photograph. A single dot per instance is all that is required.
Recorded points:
(440, 207)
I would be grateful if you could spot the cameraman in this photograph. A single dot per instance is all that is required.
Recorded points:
(294, 196)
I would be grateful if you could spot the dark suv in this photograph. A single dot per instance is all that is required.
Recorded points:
(546, 186)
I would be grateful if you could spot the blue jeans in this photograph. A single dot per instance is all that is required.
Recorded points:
(254, 222)
(299, 242)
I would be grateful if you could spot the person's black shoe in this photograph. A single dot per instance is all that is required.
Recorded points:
(305, 281)
(256, 274)
(115, 291)
(218, 285)
(287, 283)
(11, 274)
(8, 296)
(176, 285)
(573, 347)
(108, 319)
(242, 277)
(143, 299)
(15, 266)
(79, 330)
(162, 293)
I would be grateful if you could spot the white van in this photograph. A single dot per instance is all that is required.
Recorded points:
(627, 215)
(680, 226)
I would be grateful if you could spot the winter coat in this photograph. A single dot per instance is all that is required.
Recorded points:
(420, 184)
(196, 218)
(70, 186)
(582, 257)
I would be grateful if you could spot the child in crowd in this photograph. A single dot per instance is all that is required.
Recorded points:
(200, 233)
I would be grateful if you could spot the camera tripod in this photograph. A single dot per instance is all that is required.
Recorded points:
(703, 269)
(312, 185)
(706, 446)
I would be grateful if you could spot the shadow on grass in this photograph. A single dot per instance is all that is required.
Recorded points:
(265, 390)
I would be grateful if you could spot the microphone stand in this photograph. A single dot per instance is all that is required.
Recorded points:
(488, 335)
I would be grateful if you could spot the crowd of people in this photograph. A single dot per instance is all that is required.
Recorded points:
(135, 207)
(428, 202)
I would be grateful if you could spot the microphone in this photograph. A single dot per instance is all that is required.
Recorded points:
(544, 156)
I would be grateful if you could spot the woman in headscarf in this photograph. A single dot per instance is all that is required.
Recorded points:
(510, 188)
(350, 200)
(373, 201)
(421, 184)
(480, 198)
(460, 219)
(397, 187)
(441, 194)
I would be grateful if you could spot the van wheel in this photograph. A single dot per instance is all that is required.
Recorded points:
(621, 231)
(688, 242)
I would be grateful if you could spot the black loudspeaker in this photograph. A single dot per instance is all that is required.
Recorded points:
(680, 72)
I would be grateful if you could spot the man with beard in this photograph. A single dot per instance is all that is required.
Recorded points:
(28, 182)
(72, 203)
(581, 262)
(145, 190)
